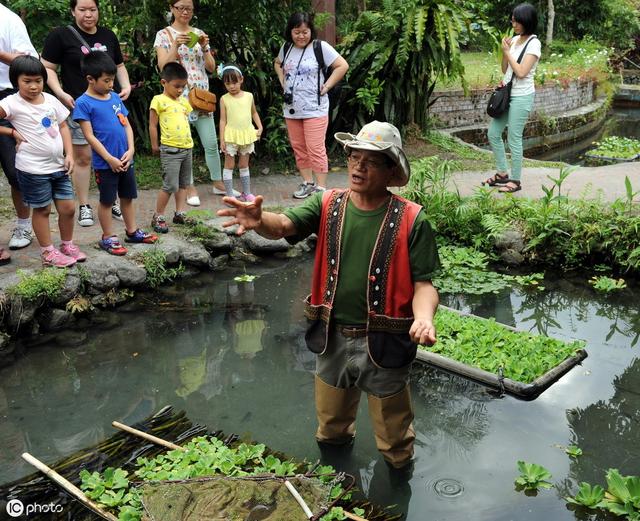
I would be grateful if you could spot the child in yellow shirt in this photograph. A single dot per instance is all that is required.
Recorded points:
(171, 109)
(237, 133)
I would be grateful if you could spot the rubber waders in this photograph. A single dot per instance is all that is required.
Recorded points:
(391, 418)
(336, 410)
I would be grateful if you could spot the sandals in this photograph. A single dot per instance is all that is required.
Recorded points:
(506, 189)
(496, 179)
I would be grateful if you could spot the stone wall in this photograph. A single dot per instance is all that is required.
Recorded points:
(454, 109)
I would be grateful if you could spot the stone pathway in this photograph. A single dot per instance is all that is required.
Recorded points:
(607, 182)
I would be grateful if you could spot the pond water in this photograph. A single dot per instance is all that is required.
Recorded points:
(622, 122)
(232, 356)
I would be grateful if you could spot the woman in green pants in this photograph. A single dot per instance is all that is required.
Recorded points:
(524, 20)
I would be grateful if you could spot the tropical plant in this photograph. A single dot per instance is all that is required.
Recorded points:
(532, 476)
(400, 51)
(557, 231)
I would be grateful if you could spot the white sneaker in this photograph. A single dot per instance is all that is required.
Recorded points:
(85, 215)
(20, 238)
(194, 200)
(116, 213)
(222, 192)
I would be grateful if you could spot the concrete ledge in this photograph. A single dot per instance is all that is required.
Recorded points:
(545, 132)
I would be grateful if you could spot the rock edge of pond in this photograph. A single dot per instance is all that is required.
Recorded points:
(106, 281)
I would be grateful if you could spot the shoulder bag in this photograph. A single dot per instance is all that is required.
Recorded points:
(199, 99)
(499, 100)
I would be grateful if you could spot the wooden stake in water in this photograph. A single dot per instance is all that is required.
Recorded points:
(69, 487)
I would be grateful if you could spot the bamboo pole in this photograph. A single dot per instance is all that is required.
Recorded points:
(298, 498)
(355, 517)
(149, 437)
(69, 487)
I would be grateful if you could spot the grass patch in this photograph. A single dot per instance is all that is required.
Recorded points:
(563, 63)
(467, 157)
(490, 346)
(47, 283)
(155, 264)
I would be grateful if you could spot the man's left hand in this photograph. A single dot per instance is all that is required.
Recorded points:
(423, 332)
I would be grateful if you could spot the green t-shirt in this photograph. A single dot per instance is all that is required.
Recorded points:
(359, 235)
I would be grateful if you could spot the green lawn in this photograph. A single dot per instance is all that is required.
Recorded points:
(563, 63)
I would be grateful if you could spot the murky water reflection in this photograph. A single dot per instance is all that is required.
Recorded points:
(232, 356)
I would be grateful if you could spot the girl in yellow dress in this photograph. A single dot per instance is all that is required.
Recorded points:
(237, 134)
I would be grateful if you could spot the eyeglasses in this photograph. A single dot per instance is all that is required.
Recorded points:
(183, 9)
(361, 162)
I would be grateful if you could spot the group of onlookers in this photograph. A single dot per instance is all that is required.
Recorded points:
(75, 134)
(84, 127)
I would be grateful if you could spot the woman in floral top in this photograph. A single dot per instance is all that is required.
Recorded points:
(173, 43)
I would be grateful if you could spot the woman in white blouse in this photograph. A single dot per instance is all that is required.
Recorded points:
(524, 20)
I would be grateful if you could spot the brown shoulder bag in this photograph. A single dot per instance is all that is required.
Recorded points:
(199, 99)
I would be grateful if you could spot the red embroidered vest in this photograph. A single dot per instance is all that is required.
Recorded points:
(389, 288)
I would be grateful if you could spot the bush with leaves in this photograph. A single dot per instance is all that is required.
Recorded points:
(395, 55)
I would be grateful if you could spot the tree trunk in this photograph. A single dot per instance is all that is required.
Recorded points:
(551, 15)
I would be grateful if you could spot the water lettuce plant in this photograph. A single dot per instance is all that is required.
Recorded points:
(573, 451)
(532, 476)
(487, 345)
(607, 284)
(621, 498)
(616, 147)
(466, 270)
(588, 496)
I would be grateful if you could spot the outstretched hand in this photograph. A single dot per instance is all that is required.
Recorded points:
(247, 216)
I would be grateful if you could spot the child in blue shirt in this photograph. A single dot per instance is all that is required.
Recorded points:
(103, 119)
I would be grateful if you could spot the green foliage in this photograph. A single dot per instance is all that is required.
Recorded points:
(111, 489)
(557, 231)
(202, 456)
(490, 346)
(588, 496)
(155, 264)
(607, 284)
(612, 22)
(573, 451)
(616, 147)
(465, 270)
(47, 283)
(623, 495)
(399, 51)
(532, 476)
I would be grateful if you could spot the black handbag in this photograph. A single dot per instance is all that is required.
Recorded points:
(499, 100)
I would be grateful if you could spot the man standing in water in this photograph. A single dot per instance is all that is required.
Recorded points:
(371, 297)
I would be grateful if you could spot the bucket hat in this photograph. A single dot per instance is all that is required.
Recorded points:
(380, 137)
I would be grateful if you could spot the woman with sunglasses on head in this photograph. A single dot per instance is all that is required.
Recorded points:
(63, 50)
(180, 42)
(524, 21)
